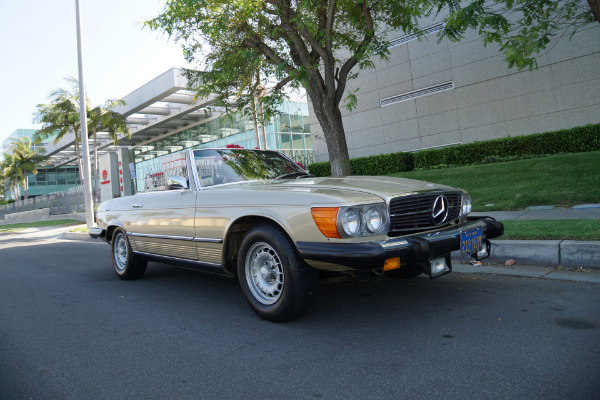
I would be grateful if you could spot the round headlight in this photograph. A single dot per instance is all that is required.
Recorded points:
(374, 219)
(351, 221)
(466, 204)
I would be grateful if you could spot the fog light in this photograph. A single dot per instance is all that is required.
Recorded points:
(484, 252)
(438, 266)
(391, 263)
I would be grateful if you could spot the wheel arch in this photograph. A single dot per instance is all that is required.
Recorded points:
(235, 233)
(111, 227)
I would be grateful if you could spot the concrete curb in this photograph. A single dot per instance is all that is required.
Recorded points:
(75, 236)
(570, 253)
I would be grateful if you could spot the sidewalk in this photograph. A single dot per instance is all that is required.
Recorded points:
(592, 211)
(546, 252)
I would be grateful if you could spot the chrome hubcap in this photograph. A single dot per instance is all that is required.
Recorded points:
(120, 254)
(264, 273)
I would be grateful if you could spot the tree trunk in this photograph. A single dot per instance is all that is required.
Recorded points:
(255, 122)
(330, 118)
(17, 191)
(595, 7)
(262, 122)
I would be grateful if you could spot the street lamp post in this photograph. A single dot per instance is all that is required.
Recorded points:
(87, 181)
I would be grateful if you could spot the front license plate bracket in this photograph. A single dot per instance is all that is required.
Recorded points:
(471, 241)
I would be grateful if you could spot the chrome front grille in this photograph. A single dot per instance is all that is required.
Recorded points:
(414, 212)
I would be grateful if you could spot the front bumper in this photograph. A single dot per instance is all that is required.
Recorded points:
(412, 249)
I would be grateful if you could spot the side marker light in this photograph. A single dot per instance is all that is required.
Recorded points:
(391, 263)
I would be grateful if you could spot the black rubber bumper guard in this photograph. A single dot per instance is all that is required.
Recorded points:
(411, 249)
(97, 233)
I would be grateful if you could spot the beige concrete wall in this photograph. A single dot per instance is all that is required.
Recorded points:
(488, 101)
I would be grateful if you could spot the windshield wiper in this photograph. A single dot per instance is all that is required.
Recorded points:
(296, 175)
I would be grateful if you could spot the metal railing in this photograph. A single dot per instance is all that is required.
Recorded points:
(67, 201)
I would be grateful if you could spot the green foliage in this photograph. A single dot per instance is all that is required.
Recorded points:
(320, 168)
(310, 44)
(560, 180)
(382, 164)
(20, 160)
(557, 229)
(20, 226)
(61, 116)
(575, 140)
(522, 28)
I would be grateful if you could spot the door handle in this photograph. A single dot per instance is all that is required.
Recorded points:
(137, 205)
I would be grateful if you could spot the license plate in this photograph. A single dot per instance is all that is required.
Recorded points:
(470, 241)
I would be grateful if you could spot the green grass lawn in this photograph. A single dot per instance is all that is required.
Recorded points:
(561, 180)
(558, 229)
(18, 227)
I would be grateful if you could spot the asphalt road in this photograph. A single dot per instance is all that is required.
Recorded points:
(70, 329)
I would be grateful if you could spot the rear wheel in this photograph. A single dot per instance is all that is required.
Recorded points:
(277, 283)
(127, 265)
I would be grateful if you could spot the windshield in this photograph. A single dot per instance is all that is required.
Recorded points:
(235, 165)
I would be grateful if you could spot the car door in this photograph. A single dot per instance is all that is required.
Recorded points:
(163, 223)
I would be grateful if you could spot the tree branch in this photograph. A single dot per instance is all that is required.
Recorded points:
(351, 62)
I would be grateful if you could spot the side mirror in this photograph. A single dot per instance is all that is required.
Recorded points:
(176, 183)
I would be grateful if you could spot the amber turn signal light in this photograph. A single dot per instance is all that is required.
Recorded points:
(391, 263)
(326, 220)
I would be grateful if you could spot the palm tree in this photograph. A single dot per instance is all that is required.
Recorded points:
(22, 159)
(10, 173)
(61, 116)
(2, 182)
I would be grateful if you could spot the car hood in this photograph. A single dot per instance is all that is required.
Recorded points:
(382, 186)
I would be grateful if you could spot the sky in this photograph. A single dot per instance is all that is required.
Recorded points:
(38, 49)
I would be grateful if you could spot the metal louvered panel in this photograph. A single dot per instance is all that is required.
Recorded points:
(407, 38)
(415, 212)
(416, 93)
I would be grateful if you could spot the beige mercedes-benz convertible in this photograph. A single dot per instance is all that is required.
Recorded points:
(259, 216)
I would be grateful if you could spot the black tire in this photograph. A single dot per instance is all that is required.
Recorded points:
(277, 283)
(405, 272)
(126, 264)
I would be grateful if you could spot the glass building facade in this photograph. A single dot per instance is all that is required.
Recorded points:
(47, 180)
(288, 132)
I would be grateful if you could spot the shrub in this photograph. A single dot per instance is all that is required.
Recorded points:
(320, 168)
(381, 164)
(574, 140)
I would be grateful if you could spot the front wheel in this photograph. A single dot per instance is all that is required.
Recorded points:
(277, 283)
(127, 265)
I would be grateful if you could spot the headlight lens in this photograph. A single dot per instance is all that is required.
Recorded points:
(466, 204)
(374, 219)
(351, 221)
